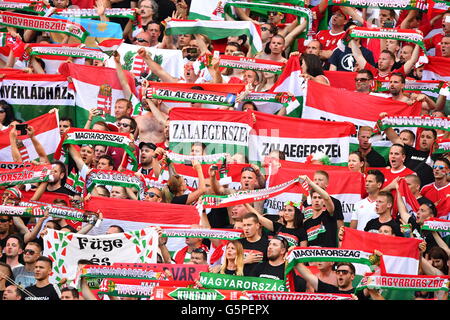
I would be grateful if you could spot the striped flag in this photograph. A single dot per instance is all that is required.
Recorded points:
(218, 30)
(437, 68)
(46, 131)
(206, 10)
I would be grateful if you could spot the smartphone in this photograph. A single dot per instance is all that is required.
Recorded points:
(100, 112)
(22, 128)
(191, 50)
(388, 24)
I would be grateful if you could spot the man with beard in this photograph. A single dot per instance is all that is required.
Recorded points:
(24, 275)
(373, 158)
(396, 86)
(273, 268)
(148, 162)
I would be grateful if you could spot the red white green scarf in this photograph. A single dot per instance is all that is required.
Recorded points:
(21, 211)
(203, 159)
(435, 224)
(261, 295)
(247, 196)
(412, 85)
(443, 145)
(64, 212)
(232, 282)
(26, 175)
(68, 52)
(170, 293)
(38, 7)
(383, 4)
(92, 13)
(141, 288)
(115, 178)
(24, 21)
(104, 138)
(265, 8)
(224, 234)
(251, 64)
(408, 35)
(438, 123)
(97, 271)
(14, 165)
(190, 95)
(404, 282)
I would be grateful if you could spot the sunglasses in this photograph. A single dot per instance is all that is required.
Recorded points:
(140, 40)
(32, 252)
(248, 169)
(198, 250)
(273, 13)
(151, 194)
(4, 220)
(342, 272)
(264, 29)
(2, 111)
(361, 79)
(440, 167)
(125, 125)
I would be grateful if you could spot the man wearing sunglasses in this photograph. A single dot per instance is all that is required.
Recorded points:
(24, 275)
(363, 81)
(126, 124)
(153, 195)
(440, 188)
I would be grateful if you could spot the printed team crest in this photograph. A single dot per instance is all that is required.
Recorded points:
(136, 65)
(219, 10)
(104, 98)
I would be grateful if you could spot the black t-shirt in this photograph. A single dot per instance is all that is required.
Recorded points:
(322, 231)
(180, 199)
(323, 287)
(337, 209)
(266, 270)
(375, 224)
(259, 246)
(218, 218)
(3, 242)
(63, 190)
(374, 159)
(293, 236)
(45, 293)
(230, 272)
(344, 60)
(424, 234)
(415, 160)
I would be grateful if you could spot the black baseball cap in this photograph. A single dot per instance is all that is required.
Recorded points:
(148, 144)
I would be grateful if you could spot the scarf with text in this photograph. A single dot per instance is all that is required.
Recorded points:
(261, 295)
(67, 52)
(38, 7)
(412, 85)
(21, 211)
(407, 35)
(26, 175)
(203, 159)
(128, 13)
(382, 4)
(64, 212)
(24, 21)
(224, 234)
(8, 165)
(435, 224)
(438, 123)
(245, 63)
(170, 293)
(232, 282)
(404, 282)
(115, 178)
(443, 145)
(111, 139)
(157, 91)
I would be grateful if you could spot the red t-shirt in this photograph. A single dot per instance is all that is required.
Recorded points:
(329, 40)
(433, 193)
(376, 75)
(390, 175)
(434, 42)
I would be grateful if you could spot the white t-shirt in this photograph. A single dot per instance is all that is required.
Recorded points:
(364, 212)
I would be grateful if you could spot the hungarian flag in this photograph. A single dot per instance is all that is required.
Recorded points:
(52, 62)
(218, 30)
(437, 68)
(100, 91)
(341, 79)
(299, 138)
(345, 185)
(412, 205)
(46, 129)
(222, 131)
(109, 46)
(291, 81)
(335, 104)
(170, 60)
(31, 95)
(123, 212)
(206, 10)
(400, 255)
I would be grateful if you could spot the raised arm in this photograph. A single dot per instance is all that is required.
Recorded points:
(357, 54)
(265, 222)
(403, 211)
(390, 133)
(156, 68)
(292, 35)
(309, 277)
(13, 142)
(122, 77)
(329, 205)
(217, 188)
(409, 65)
(193, 196)
(37, 146)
